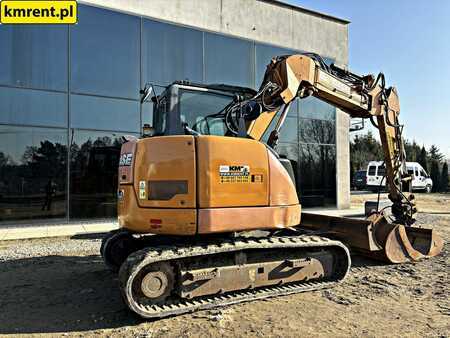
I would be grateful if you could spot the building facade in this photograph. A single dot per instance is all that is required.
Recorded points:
(68, 94)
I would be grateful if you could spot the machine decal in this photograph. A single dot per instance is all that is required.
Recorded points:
(142, 192)
(120, 194)
(126, 159)
(234, 173)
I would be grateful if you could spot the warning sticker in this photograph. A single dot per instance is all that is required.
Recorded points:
(234, 173)
(142, 192)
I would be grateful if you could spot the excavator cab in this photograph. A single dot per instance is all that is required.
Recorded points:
(195, 109)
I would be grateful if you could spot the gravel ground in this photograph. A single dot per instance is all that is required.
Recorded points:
(14, 250)
(59, 286)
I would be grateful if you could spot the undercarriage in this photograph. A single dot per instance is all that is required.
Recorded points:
(160, 278)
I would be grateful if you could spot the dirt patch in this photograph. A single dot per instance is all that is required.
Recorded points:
(426, 203)
(61, 287)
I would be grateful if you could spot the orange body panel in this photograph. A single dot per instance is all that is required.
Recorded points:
(282, 189)
(154, 220)
(166, 158)
(215, 190)
(239, 219)
(207, 184)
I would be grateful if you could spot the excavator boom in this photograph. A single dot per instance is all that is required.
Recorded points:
(299, 76)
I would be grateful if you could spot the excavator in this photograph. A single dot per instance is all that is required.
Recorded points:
(209, 214)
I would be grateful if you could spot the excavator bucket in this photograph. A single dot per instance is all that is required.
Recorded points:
(376, 237)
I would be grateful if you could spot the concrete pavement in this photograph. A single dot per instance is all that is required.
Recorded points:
(71, 229)
(56, 230)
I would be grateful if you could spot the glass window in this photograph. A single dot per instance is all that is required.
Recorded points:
(372, 170)
(33, 107)
(382, 170)
(34, 56)
(147, 113)
(228, 60)
(94, 161)
(171, 53)
(265, 53)
(314, 108)
(289, 151)
(33, 173)
(289, 130)
(196, 109)
(105, 53)
(317, 175)
(93, 112)
(316, 131)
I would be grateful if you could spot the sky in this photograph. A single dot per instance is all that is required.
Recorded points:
(409, 41)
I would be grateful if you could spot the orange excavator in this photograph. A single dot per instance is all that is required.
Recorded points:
(209, 213)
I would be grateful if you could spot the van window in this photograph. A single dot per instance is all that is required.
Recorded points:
(372, 169)
(423, 173)
(410, 171)
(417, 172)
(381, 171)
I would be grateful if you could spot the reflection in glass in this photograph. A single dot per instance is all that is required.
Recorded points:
(34, 56)
(171, 53)
(265, 53)
(317, 175)
(228, 60)
(94, 112)
(314, 108)
(105, 53)
(33, 107)
(197, 109)
(316, 131)
(33, 172)
(289, 130)
(290, 151)
(147, 113)
(93, 174)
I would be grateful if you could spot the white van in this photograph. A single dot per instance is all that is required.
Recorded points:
(420, 179)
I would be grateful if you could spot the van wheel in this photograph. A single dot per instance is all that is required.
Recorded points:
(428, 189)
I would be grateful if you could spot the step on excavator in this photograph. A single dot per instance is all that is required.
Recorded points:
(209, 214)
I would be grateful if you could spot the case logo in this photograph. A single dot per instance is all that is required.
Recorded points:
(125, 159)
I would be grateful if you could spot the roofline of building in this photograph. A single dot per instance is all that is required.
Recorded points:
(286, 4)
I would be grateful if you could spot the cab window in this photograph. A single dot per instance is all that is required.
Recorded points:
(199, 110)
(160, 115)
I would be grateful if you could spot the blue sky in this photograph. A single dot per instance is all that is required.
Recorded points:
(410, 42)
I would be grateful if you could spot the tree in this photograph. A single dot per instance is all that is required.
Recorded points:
(435, 175)
(444, 177)
(412, 151)
(422, 159)
(435, 155)
(364, 148)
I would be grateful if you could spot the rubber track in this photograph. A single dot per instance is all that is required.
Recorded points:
(139, 259)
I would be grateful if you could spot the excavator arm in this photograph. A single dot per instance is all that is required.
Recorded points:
(391, 238)
(289, 77)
